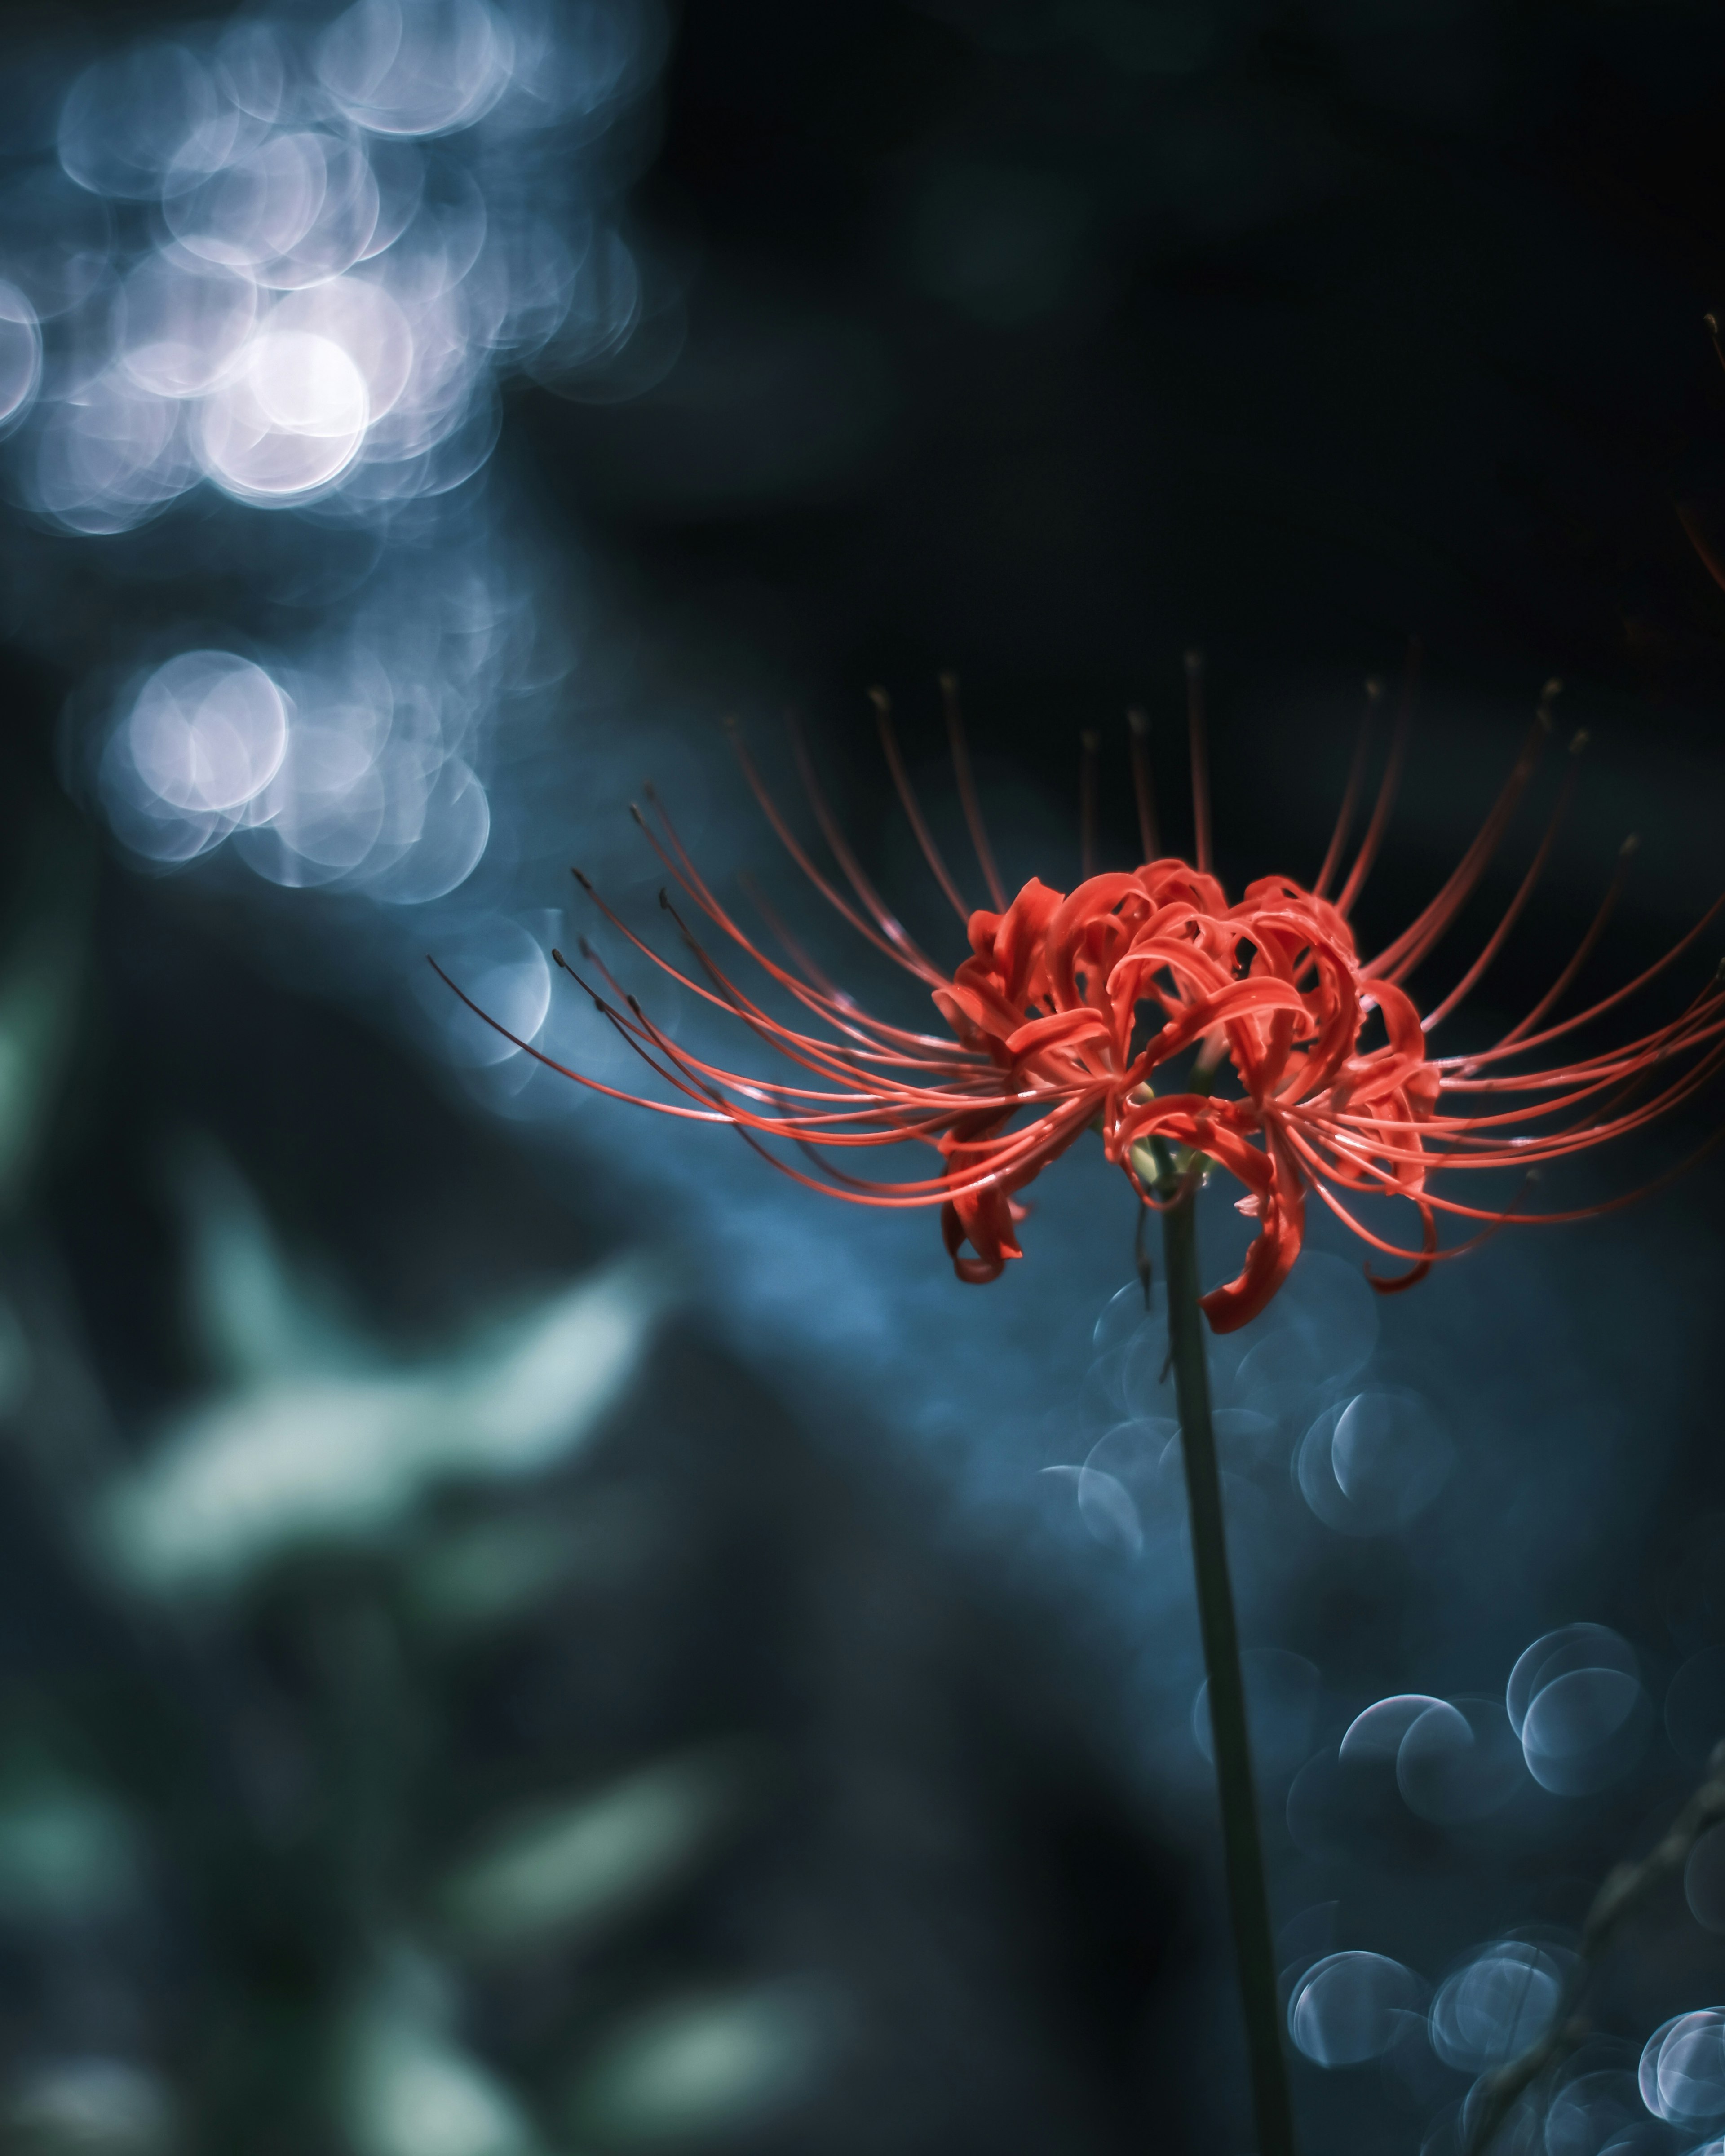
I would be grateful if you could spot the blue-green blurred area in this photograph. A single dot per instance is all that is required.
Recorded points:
(446, 1703)
(523, 1634)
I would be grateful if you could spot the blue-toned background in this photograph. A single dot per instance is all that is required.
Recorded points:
(525, 1632)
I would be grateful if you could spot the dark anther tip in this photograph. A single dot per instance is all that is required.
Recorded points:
(634, 810)
(634, 1006)
(585, 882)
(1137, 722)
(1630, 846)
(1580, 741)
(880, 700)
(664, 898)
(948, 679)
(1374, 686)
(557, 957)
(1194, 661)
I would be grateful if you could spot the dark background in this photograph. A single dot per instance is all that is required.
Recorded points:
(1043, 342)
(1046, 341)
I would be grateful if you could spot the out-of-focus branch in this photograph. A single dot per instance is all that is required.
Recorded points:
(1626, 1886)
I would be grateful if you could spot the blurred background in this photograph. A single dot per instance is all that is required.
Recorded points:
(524, 1633)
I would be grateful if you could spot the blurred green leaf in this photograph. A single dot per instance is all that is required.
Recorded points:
(67, 1852)
(255, 1319)
(410, 2090)
(343, 1457)
(488, 1572)
(567, 1870)
(90, 2107)
(689, 2069)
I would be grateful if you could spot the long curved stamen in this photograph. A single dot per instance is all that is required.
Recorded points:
(1388, 787)
(1090, 742)
(871, 1125)
(787, 839)
(874, 1084)
(1657, 1045)
(815, 1055)
(1465, 1065)
(1376, 1182)
(1138, 725)
(907, 1196)
(1008, 1158)
(1702, 1022)
(562, 1070)
(1362, 1146)
(967, 793)
(1584, 949)
(1199, 750)
(881, 1055)
(841, 1011)
(824, 986)
(1475, 1136)
(837, 1008)
(884, 918)
(1433, 1147)
(908, 802)
(1429, 1254)
(1500, 936)
(1429, 926)
(1350, 794)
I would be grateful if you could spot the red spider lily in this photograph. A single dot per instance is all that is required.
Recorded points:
(1070, 1003)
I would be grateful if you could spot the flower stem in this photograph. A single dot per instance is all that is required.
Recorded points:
(1242, 1845)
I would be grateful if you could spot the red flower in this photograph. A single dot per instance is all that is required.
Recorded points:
(1071, 1004)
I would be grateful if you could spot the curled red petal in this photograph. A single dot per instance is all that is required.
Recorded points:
(983, 1219)
(1270, 1256)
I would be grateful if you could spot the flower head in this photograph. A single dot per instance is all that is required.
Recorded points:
(1190, 1033)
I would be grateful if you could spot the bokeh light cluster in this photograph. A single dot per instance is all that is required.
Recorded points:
(1683, 2071)
(286, 261)
(289, 260)
(1316, 1421)
(1370, 1457)
(351, 767)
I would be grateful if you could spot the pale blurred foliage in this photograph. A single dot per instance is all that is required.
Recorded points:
(384, 1512)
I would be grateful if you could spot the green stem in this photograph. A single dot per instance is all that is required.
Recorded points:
(1242, 1845)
